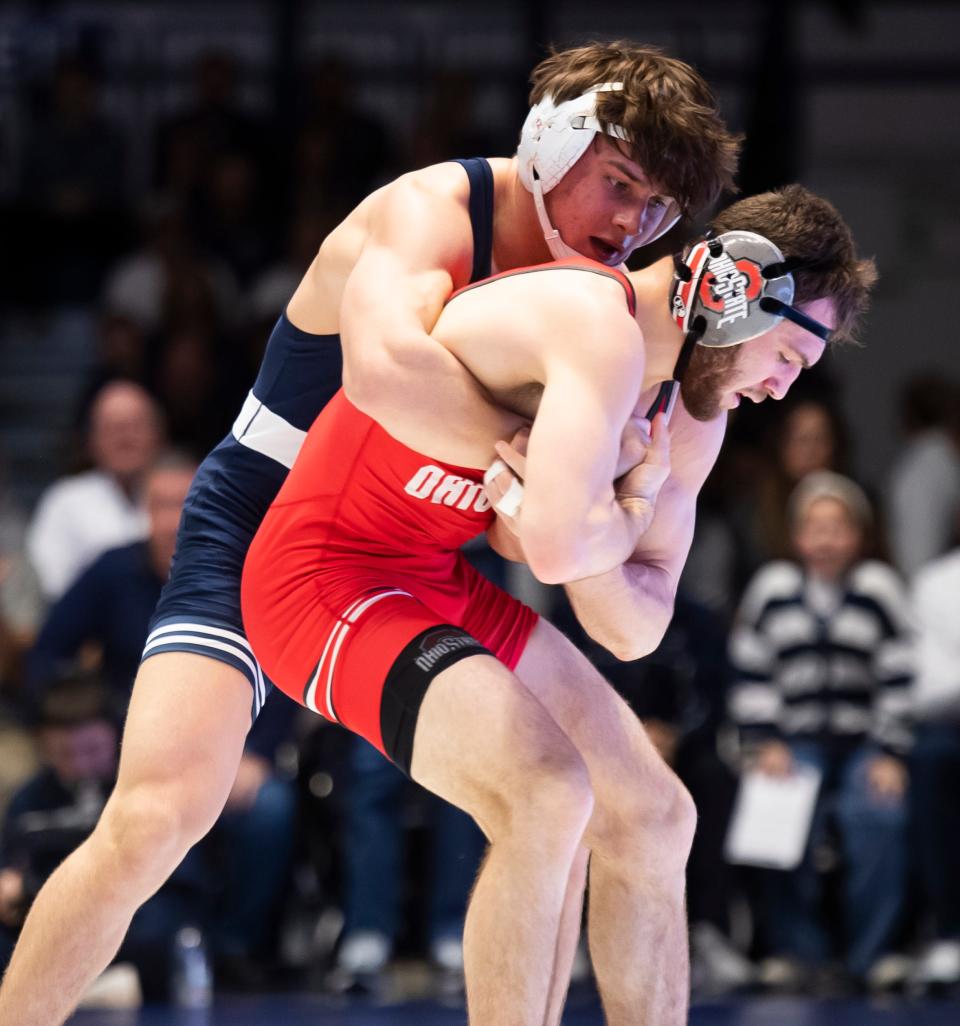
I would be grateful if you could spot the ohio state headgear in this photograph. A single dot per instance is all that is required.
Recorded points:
(732, 288)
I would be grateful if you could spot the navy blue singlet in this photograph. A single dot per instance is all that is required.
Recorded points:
(199, 609)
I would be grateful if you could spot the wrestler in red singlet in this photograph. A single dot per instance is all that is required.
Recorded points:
(355, 594)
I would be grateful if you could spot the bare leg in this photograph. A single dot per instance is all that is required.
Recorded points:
(639, 837)
(486, 744)
(182, 744)
(569, 937)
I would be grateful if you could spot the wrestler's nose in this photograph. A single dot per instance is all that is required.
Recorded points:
(630, 218)
(777, 385)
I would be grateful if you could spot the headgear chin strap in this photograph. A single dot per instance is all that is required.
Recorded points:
(553, 138)
(732, 288)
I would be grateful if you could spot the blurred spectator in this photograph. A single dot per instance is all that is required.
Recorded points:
(924, 489)
(823, 663)
(936, 769)
(374, 841)
(328, 173)
(74, 178)
(109, 606)
(111, 602)
(78, 734)
(214, 123)
(20, 601)
(200, 391)
(448, 127)
(167, 278)
(81, 516)
(742, 514)
(20, 608)
(121, 353)
(811, 437)
(229, 224)
(276, 284)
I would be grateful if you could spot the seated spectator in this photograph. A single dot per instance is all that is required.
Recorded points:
(154, 284)
(213, 122)
(327, 173)
(79, 517)
(936, 769)
(229, 221)
(924, 487)
(111, 602)
(109, 607)
(199, 389)
(73, 180)
(20, 609)
(823, 665)
(54, 812)
(20, 603)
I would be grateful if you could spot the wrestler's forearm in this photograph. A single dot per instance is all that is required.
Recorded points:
(627, 610)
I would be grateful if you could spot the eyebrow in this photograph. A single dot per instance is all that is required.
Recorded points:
(623, 169)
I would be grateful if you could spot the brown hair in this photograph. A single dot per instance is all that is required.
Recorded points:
(666, 108)
(808, 227)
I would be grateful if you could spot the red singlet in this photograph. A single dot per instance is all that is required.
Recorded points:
(359, 554)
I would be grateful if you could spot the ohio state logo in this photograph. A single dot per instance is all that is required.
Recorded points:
(729, 287)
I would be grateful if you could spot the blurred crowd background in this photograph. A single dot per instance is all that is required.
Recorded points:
(167, 172)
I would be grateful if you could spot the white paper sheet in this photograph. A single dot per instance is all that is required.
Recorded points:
(771, 818)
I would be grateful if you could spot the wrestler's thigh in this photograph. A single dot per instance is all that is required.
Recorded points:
(625, 768)
(484, 742)
(184, 735)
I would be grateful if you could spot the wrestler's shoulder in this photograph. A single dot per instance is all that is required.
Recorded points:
(445, 182)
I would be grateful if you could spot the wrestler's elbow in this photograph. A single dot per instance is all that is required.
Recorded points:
(553, 556)
(632, 634)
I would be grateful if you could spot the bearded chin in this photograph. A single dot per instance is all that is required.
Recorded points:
(708, 376)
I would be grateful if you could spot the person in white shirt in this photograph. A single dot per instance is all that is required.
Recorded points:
(81, 516)
(924, 487)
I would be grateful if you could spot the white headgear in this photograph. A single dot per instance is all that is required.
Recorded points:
(553, 138)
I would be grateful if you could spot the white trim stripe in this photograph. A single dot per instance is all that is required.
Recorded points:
(259, 428)
(344, 630)
(334, 641)
(219, 632)
(199, 634)
(370, 601)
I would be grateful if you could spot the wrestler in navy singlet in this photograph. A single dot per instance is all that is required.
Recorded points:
(199, 609)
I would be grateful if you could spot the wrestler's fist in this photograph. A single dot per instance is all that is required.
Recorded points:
(638, 489)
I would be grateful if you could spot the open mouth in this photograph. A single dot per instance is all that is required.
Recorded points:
(605, 253)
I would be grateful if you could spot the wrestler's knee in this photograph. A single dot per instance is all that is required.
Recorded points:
(547, 790)
(147, 830)
(645, 819)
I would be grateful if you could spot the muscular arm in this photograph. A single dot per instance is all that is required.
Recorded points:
(415, 251)
(628, 609)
